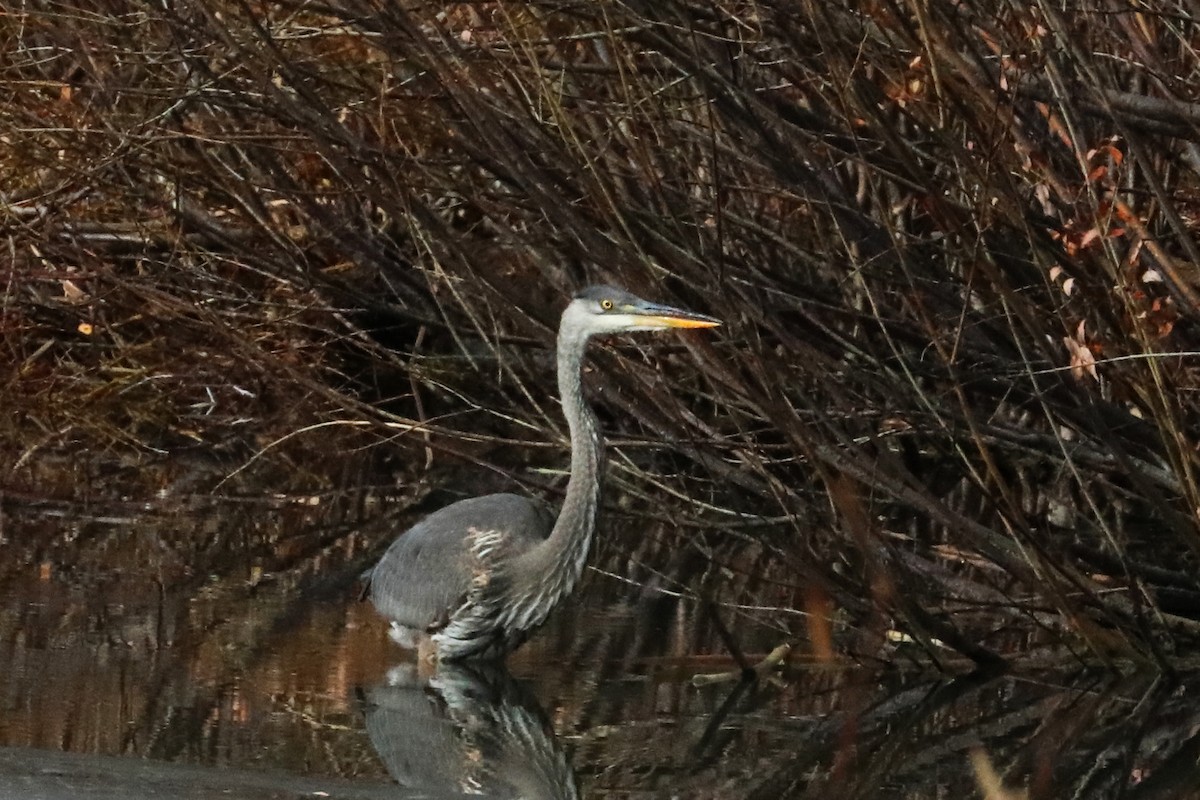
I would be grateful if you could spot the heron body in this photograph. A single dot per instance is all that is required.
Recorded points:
(479, 575)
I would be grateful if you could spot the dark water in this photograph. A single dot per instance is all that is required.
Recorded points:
(204, 647)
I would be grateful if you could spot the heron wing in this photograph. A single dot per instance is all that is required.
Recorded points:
(426, 573)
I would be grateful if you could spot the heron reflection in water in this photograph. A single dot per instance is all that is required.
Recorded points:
(479, 575)
(469, 730)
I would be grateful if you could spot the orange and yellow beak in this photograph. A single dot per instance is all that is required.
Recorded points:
(657, 316)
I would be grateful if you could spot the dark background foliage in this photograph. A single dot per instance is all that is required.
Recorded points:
(955, 250)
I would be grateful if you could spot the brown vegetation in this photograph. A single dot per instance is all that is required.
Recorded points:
(956, 251)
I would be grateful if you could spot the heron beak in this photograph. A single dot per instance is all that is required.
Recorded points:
(688, 322)
(668, 317)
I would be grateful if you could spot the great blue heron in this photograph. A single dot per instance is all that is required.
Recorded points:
(478, 575)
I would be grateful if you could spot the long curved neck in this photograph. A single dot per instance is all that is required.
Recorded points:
(577, 520)
(559, 560)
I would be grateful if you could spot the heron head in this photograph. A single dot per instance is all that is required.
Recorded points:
(607, 309)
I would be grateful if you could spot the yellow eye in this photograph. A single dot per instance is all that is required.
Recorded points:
(606, 305)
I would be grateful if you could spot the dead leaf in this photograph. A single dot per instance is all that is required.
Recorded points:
(73, 294)
(989, 780)
(1083, 362)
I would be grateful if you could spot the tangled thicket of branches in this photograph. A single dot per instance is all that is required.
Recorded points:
(956, 251)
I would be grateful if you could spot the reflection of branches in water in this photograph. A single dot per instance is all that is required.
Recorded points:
(634, 723)
(157, 616)
(1091, 739)
(869, 734)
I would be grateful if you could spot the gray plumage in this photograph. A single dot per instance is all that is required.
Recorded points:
(479, 575)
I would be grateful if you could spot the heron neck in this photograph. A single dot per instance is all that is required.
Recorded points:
(560, 559)
(577, 519)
